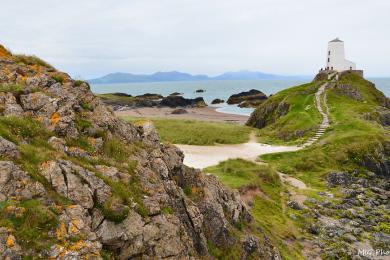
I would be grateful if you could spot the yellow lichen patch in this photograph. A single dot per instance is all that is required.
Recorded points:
(55, 118)
(78, 246)
(61, 231)
(10, 241)
(73, 227)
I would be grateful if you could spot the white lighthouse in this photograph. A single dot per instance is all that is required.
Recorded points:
(336, 57)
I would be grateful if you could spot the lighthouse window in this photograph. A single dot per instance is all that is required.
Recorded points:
(328, 52)
(328, 59)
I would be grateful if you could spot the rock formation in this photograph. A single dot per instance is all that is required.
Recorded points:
(76, 182)
(250, 98)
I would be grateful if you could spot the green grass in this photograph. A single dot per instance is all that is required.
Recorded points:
(349, 138)
(31, 60)
(58, 78)
(298, 124)
(13, 88)
(193, 132)
(31, 226)
(267, 208)
(116, 99)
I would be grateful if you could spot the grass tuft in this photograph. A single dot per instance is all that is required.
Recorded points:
(195, 132)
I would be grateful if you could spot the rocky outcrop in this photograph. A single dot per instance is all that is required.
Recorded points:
(267, 113)
(217, 101)
(250, 98)
(99, 182)
(350, 91)
(176, 94)
(360, 209)
(179, 101)
(15, 183)
(8, 149)
(121, 102)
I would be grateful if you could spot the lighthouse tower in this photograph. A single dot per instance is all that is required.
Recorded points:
(336, 57)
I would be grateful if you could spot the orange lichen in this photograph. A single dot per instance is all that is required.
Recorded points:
(61, 231)
(55, 118)
(4, 53)
(10, 241)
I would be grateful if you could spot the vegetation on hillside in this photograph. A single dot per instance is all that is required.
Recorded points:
(261, 186)
(288, 116)
(352, 134)
(195, 132)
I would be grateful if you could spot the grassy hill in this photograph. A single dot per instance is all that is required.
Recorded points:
(358, 135)
(288, 116)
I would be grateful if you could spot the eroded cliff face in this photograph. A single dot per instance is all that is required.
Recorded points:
(76, 182)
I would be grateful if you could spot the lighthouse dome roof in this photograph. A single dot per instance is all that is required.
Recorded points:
(336, 40)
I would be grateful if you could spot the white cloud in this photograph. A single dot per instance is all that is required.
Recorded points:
(94, 37)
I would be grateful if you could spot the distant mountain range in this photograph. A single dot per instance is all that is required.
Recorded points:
(120, 77)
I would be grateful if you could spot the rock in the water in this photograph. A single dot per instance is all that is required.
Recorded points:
(217, 101)
(176, 94)
(150, 96)
(200, 91)
(179, 101)
(252, 98)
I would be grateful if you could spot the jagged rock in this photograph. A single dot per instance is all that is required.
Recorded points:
(75, 183)
(34, 101)
(149, 132)
(267, 113)
(8, 149)
(9, 106)
(58, 143)
(349, 91)
(74, 222)
(294, 205)
(113, 173)
(161, 221)
(339, 178)
(78, 152)
(16, 183)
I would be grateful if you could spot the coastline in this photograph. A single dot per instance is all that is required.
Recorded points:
(209, 114)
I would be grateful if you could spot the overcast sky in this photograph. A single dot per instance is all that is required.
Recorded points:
(89, 38)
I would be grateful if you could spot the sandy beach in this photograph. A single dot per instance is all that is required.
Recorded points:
(204, 156)
(204, 114)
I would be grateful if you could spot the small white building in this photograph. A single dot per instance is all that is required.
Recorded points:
(336, 57)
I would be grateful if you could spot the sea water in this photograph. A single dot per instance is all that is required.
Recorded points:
(221, 89)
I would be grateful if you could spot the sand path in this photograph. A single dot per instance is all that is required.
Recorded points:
(199, 156)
